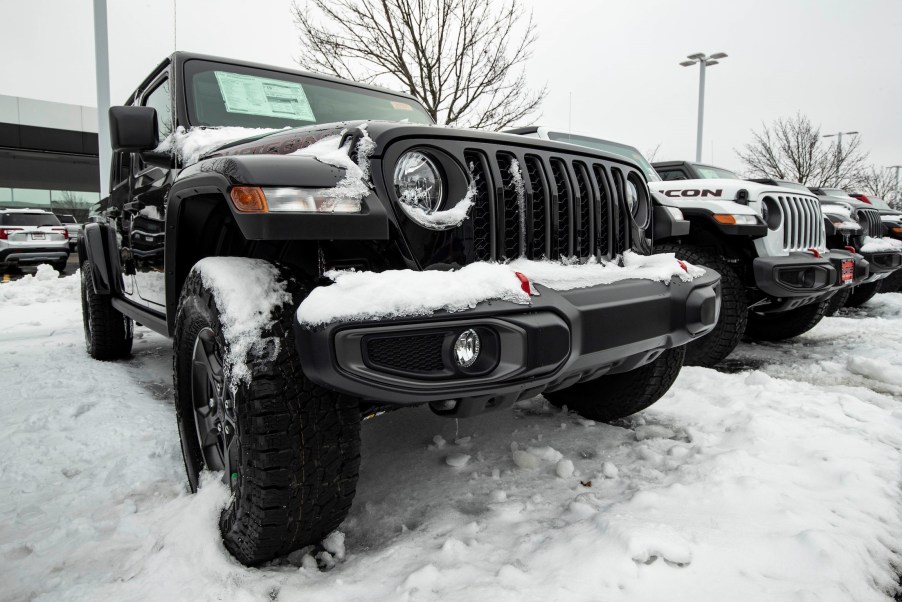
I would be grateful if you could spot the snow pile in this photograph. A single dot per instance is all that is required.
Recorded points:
(247, 293)
(42, 287)
(880, 245)
(190, 145)
(355, 184)
(395, 293)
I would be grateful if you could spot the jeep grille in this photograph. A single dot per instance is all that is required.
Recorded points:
(871, 219)
(803, 223)
(565, 212)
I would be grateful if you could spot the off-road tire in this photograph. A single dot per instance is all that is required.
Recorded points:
(619, 395)
(715, 346)
(863, 293)
(837, 302)
(298, 443)
(60, 266)
(786, 324)
(108, 333)
(893, 284)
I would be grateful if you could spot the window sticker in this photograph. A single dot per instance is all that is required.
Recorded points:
(251, 95)
(403, 106)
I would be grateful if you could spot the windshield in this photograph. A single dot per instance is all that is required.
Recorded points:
(835, 192)
(611, 147)
(794, 186)
(28, 219)
(228, 95)
(878, 203)
(713, 173)
(67, 219)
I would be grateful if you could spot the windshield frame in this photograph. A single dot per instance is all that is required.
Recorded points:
(193, 66)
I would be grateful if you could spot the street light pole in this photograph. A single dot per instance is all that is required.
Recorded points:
(703, 62)
(896, 187)
(102, 67)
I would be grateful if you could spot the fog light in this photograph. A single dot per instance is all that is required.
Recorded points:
(466, 348)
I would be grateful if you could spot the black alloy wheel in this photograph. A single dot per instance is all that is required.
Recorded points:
(215, 422)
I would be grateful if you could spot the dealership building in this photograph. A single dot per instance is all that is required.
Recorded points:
(48, 155)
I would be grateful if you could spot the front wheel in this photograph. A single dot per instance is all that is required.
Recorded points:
(863, 293)
(619, 395)
(715, 346)
(288, 449)
(786, 324)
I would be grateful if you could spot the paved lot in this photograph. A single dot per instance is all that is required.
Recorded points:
(15, 274)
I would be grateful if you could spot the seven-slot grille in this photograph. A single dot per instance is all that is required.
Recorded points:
(538, 206)
(803, 223)
(871, 217)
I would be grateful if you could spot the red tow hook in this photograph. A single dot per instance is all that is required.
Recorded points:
(683, 265)
(850, 249)
(524, 282)
(815, 252)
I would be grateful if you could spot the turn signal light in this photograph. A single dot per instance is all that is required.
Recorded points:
(249, 199)
(724, 218)
(897, 230)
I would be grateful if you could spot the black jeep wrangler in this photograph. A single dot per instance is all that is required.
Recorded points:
(263, 209)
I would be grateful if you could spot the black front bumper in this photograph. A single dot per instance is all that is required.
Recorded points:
(883, 263)
(795, 275)
(561, 338)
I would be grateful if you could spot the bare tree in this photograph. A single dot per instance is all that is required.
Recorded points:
(793, 149)
(463, 59)
(70, 203)
(879, 182)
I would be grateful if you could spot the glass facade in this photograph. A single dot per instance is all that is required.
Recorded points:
(61, 202)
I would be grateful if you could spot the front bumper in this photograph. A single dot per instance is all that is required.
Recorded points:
(794, 275)
(860, 270)
(883, 263)
(560, 339)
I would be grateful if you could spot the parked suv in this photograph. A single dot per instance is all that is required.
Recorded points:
(72, 228)
(30, 237)
(766, 242)
(884, 254)
(314, 267)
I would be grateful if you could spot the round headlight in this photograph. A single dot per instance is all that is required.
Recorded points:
(418, 182)
(764, 212)
(632, 197)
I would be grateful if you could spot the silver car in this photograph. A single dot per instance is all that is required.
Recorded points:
(72, 227)
(32, 236)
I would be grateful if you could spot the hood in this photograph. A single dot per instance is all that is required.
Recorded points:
(723, 189)
(279, 142)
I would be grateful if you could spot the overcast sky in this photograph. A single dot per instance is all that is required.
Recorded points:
(839, 62)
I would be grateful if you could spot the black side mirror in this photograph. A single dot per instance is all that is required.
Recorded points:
(133, 129)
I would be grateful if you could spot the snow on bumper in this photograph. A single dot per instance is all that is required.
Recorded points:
(581, 329)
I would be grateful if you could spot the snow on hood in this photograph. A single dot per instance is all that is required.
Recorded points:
(355, 184)
(836, 209)
(247, 293)
(396, 293)
(190, 145)
(880, 245)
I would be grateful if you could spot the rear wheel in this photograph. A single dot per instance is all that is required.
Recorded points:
(715, 346)
(619, 395)
(786, 324)
(837, 302)
(288, 449)
(863, 293)
(108, 333)
(60, 266)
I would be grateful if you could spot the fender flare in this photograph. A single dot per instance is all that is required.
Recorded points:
(96, 244)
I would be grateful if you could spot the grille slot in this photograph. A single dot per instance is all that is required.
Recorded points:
(803, 223)
(564, 209)
(510, 208)
(872, 218)
(412, 353)
(585, 199)
(481, 213)
(538, 183)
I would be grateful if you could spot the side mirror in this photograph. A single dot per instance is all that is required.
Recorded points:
(133, 129)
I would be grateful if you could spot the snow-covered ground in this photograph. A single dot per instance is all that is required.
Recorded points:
(779, 480)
